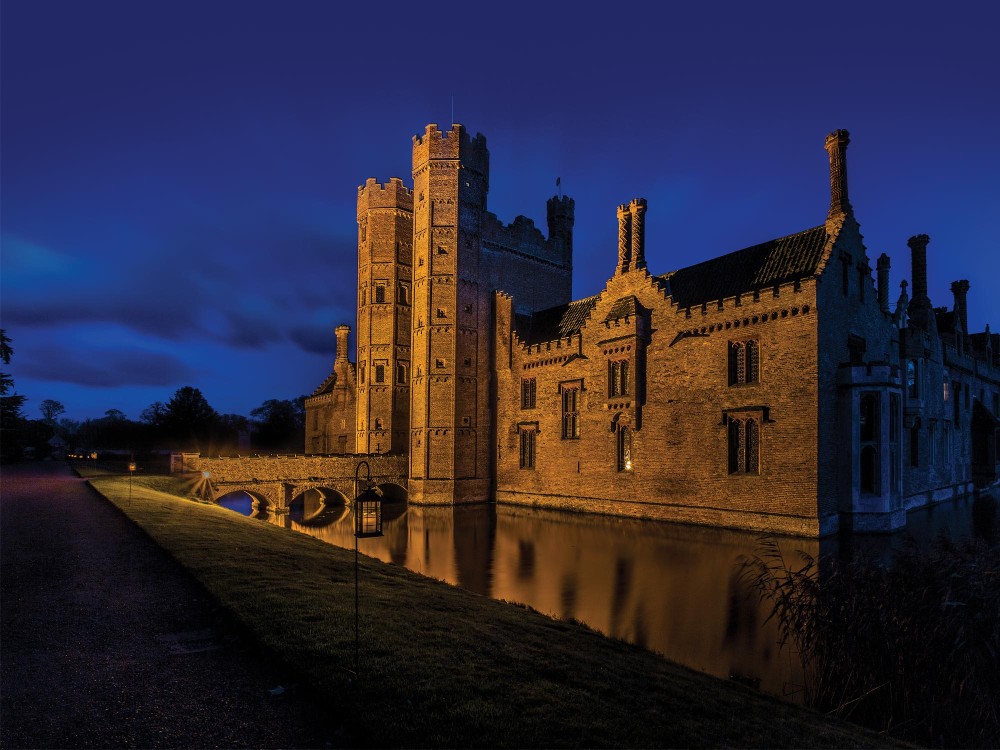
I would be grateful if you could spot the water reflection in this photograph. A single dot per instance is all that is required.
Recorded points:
(673, 589)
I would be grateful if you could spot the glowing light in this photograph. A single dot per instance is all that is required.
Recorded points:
(206, 474)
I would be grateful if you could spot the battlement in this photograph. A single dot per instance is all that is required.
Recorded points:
(561, 205)
(520, 236)
(392, 194)
(456, 143)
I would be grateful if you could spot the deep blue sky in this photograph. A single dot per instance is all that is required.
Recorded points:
(179, 179)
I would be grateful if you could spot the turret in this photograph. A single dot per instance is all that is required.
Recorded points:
(450, 415)
(385, 255)
(559, 213)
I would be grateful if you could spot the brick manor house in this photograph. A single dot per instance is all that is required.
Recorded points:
(772, 388)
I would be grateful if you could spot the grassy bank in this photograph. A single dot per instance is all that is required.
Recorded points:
(445, 667)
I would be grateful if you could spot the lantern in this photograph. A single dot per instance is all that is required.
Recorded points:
(368, 513)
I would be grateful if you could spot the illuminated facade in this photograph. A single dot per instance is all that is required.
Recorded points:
(771, 388)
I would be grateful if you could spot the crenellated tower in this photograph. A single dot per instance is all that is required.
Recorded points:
(559, 213)
(385, 296)
(450, 418)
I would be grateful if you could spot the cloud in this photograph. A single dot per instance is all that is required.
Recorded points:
(106, 369)
(314, 339)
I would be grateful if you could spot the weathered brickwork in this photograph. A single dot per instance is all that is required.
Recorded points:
(275, 481)
(331, 409)
(385, 298)
(770, 389)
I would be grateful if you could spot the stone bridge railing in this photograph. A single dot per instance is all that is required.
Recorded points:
(276, 481)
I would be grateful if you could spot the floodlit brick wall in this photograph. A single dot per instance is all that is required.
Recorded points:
(461, 255)
(675, 405)
(330, 412)
(385, 295)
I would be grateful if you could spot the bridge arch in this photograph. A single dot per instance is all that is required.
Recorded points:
(392, 492)
(318, 504)
(244, 501)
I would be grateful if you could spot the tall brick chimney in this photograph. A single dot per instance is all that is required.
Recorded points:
(920, 303)
(918, 261)
(882, 264)
(836, 146)
(960, 289)
(624, 238)
(637, 207)
(342, 331)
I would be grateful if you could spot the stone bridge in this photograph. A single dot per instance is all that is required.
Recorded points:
(275, 481)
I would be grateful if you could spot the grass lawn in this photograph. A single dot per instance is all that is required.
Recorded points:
(445, 667)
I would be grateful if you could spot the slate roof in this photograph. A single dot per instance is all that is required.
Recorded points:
(624, 307)
(562, 320)
(945, 319)
(758, 267)
(327, 385)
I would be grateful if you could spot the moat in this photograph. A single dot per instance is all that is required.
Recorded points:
(674, 589)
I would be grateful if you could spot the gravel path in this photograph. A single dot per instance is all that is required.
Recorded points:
(107, 642)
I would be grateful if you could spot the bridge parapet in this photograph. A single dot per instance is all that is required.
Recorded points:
(279, 479)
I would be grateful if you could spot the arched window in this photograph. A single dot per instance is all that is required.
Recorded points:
(744, 445)
(624, 448)
(744, 362)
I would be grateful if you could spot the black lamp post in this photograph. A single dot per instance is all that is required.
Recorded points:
(131, 471)
(367, 523)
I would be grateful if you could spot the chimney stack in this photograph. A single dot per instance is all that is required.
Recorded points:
(836, 146)
(883, 282)
(918, 262)
(624, 238)
(961, 289)
(342, 332)
(638, 210)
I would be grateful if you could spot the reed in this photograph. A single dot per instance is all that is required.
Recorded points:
(909, 647)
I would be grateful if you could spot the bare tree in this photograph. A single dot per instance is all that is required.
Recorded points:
(51, 410)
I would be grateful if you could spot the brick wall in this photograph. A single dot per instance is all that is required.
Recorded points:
(675, 406)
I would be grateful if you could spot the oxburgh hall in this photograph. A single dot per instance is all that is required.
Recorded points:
(774, 388)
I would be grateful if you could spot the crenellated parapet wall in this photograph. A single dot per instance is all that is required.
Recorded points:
(392, 194)
(452, 145)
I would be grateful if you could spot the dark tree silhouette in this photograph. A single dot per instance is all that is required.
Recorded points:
(12, 421)
(280, 425)
(51, 410)
(189, 421)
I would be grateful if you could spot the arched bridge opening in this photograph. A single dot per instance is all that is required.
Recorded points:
(245, 502)
(318, 506)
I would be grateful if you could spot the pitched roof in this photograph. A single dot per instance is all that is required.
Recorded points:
(327, 385)
(945, 319)
(785, 259)
(562, 320)
(624, 307)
